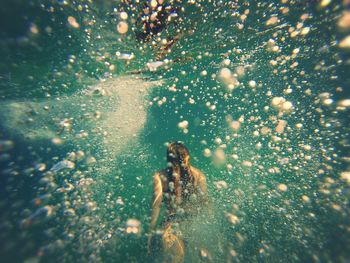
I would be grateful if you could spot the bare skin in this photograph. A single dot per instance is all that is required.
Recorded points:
(161, 185)
(173, 246)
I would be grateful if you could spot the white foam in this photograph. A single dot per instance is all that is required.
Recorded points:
(120, 104)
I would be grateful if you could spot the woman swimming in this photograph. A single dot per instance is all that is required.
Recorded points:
(183, 189)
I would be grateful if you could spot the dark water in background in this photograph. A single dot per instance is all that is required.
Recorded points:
(285, 195)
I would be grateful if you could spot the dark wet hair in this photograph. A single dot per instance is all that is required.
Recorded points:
(177, 152)
(178, 157)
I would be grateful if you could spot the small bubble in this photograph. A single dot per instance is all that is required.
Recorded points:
(204, 73)
(272, 21)
(183, 124)
(122, 27)
(247, 163)
(207, 152)
(133, 226)
(345, 176)
(6, 145)
(344, 103)
(73, 22)
(344, 21)
(34, 29)
(305, 199)
(57, 141)
(233, 219)
(324, 3)
(282, 187)
(252, 84)
(123, 15)
(345, 43)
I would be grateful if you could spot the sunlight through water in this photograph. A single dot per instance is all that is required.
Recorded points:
(92, 92)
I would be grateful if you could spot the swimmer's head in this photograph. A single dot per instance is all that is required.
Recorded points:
(178, 154)
(179, 170)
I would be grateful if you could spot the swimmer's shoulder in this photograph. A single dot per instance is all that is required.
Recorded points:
(198, 174)
(162, 177)
(161, 174)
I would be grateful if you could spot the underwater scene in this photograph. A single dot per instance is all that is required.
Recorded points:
(174, 131)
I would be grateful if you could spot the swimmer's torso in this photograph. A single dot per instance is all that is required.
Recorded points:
(192, 195)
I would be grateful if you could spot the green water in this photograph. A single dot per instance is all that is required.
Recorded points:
(286, 189)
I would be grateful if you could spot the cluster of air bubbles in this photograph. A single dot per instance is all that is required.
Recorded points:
(257, 90)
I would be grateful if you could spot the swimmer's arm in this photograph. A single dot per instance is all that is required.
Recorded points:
(202, 183)
(157, 200)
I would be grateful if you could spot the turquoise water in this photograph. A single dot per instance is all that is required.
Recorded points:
(82, 134)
